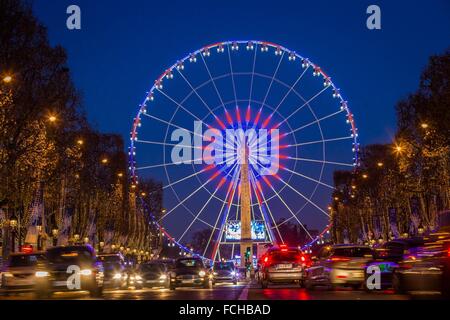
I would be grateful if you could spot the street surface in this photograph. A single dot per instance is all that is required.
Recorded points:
(242, 291)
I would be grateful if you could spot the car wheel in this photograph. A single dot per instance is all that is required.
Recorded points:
(397, 284)
(207, 285)
(235, 282)
(97, 292)
(264, 284)
(172, 287)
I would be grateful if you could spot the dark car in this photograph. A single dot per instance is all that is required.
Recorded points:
(154, 274)
(190, 272)
(115, 274)
(282, 265)
(389, 255)
(70, 268)
(225, 272)
(19, 272)
(428, 269)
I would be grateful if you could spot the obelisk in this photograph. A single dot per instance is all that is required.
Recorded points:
(246, 221)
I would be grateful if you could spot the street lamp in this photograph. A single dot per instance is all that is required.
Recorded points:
(86, 240)
(102, 245)
(7, 79)
(380, 164)
(80, 142)
(13, 223)
(55, 233)
(105, 161)
(52, 118)
(420, 229)
(76, 237)
(424, 125)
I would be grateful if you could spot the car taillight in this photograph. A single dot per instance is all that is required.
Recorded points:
(266, 260)
(448, 252)
(339, 259)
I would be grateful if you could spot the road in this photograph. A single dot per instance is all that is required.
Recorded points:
(243, 291)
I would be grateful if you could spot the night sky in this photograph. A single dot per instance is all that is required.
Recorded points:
(125, 45)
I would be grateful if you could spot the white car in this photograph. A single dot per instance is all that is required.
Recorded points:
(19, 272)
(339, 265)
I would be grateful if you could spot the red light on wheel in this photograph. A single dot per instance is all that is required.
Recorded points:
(303, 258)
(266, 259)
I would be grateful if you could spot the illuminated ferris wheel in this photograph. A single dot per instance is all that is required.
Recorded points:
(238, 107)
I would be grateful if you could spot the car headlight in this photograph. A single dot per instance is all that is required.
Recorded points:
(233, 273)
(215, 273)
(86, 272)
(117, 276)
(41, 274)
(163, 277)
(202, 273)
(7, 275)
(138, 277)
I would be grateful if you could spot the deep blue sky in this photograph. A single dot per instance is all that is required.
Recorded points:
(124, 45)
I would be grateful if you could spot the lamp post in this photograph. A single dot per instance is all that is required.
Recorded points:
(13, 222)
(76, 237)
(420, 230)
(55, 233)
(102, 245)
(39, 236)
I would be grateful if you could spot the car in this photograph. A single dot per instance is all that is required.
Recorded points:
(70, 268)
(190, 272)
(428, 269)
(338, 265)
(154, 274)
(115, 275)
(18, 275)
(224, 272)
(282, 264)
(388, 256)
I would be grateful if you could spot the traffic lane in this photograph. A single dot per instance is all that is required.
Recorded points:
(286, 292)
(218, 292)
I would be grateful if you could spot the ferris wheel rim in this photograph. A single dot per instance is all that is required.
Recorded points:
(132, 157)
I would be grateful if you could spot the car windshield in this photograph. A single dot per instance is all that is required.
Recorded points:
(24, 260)
(224, 266)
(152, 267)
(354, 252)
(285, 255)
(189, 263)
(68, 255)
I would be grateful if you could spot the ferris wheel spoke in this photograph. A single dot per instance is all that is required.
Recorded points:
(315, 121)
(231, 188)
(225, 218)
(171, 124)
(323, 161)
(199, 213)
(321, 141)
(196, 93)
(232, 75)
(178, 104)
(261, 205)
(304, 105)
(167, 164)
(164, 144)
(185, 178)
(309, 178)
(212, 81)
(290, 89)
(185, 199)
(273, 78)
(253, 76)
(289, 209)
(303, 196)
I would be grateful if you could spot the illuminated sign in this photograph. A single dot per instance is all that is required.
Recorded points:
(233, 230)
